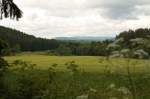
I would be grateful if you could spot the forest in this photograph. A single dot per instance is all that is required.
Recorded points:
(135, 43)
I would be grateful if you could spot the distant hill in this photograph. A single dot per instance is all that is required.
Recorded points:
(85, 38)
(25, 41)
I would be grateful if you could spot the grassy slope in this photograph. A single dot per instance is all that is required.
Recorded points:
(86, 63)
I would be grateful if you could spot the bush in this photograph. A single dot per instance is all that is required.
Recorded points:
(141, 54)
(113, 47)
(3, 66)
(29, 85)
(3, 47)
(126, 53)
(115, 54)
(61, 50)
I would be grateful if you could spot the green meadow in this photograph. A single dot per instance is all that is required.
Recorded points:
(85, 63)
(88, 77)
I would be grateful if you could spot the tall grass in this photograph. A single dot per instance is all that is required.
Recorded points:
(25, 81)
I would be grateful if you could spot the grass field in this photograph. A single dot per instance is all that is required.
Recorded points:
(86, 63)
(102, 79)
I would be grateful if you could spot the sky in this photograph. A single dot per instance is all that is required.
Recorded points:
(59, 18)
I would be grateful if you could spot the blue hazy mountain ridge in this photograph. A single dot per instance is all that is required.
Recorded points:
(85, 38)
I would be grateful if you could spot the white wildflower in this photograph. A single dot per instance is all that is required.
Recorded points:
(124, 90)
(84, 96)
(111, 86)
(93, 90)
(113, 98)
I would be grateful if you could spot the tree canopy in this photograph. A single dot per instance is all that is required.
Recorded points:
(8, 9)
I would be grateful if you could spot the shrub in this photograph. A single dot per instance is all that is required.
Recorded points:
(126, 52)
(113, 47)
(141, 54)
(115, 54)
(3, 67)
(29, 85)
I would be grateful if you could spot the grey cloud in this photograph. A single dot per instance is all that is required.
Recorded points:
(51, 18)
(144, 10)
(114, 9)
(126, 9)
(119, 9)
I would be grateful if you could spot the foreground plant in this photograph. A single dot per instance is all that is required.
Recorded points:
(9, 9)
(3, 68)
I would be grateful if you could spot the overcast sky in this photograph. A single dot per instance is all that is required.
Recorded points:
(57, 18)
